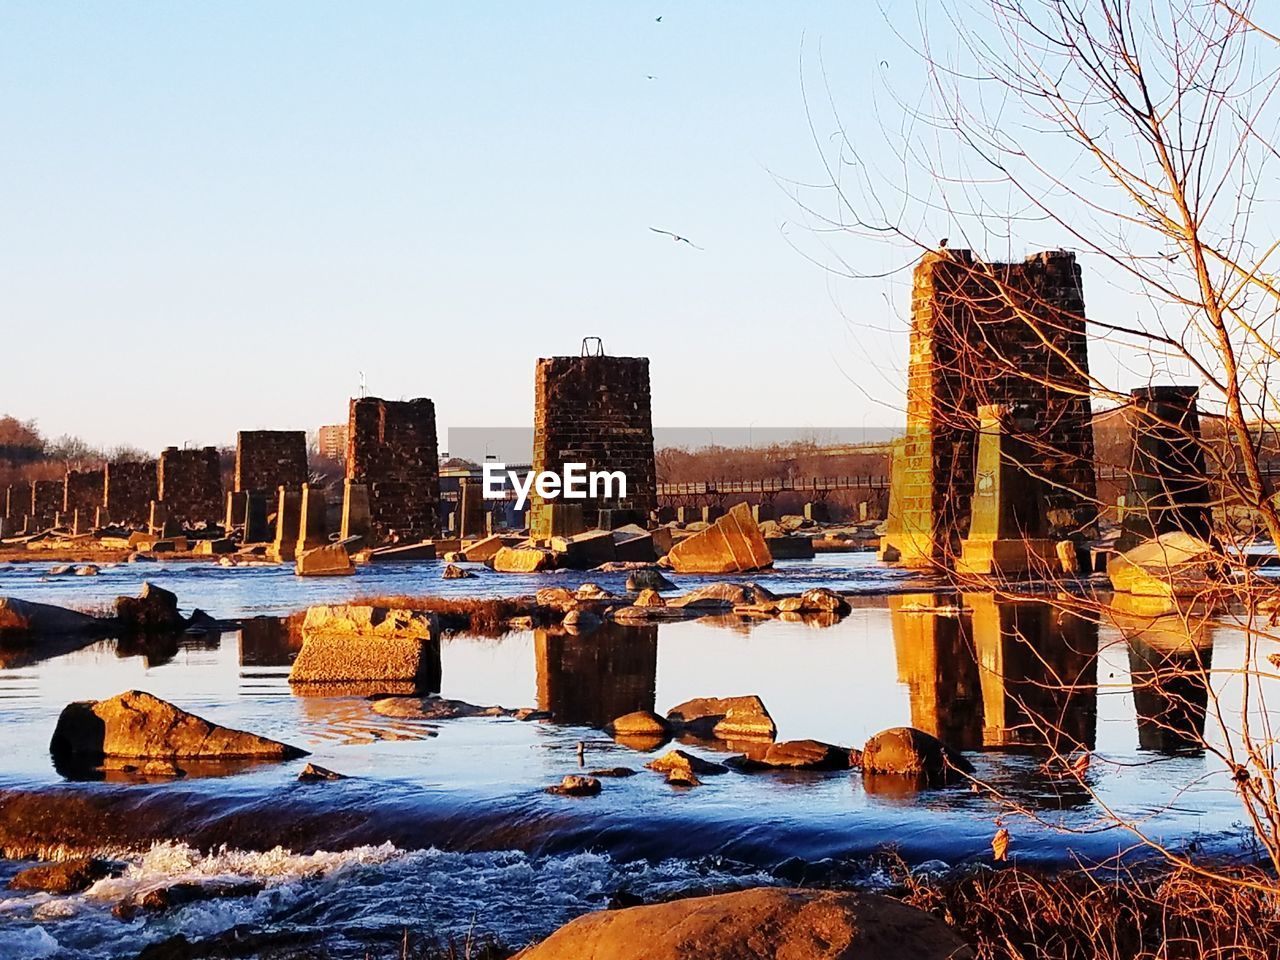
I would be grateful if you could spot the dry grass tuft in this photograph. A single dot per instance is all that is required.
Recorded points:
(1013, 914)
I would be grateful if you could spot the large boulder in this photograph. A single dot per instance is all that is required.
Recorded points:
(359, 643)
(751, 924)
(806, 755)
(648, 578)
(522, 560)
(724, 718)
(816, 600)
(434, 708)
(138, 725)
(730, 545)
(22, 618)
(908, 752)
(1172, 565)
(582, 551)
(153, 610)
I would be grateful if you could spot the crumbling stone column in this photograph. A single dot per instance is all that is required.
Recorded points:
(313, 529)
(991, 333)
(269, 459)
(392, 452)
(288, 523)
(190, 485)
(1168, 488)
(356, 521)
(594, 410)
(128, 489)
(470, 512)
(1008, 530)
(18, 502)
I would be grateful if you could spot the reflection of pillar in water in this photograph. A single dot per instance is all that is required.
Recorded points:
(936, 662)
(592, 679)
(268, 642)
(1039, 673)
(1170, 653)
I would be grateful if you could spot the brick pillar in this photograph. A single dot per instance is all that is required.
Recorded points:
(392, 452)
(596, 411)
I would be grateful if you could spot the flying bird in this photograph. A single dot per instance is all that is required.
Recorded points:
(658, 20)
(676, 237)
(650, 76)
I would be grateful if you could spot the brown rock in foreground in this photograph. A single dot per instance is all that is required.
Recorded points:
(65, 876)
(730, 545)
(22, 618)
(908, 752)
(154, 609)
(753, 924)
(521, 560)
(639, 723)
(137, 725)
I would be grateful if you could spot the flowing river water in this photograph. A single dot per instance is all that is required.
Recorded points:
(444, 826)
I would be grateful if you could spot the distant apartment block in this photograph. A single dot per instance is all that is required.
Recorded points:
(332, 441)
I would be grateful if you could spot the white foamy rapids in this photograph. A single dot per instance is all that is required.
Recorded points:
(349, 899)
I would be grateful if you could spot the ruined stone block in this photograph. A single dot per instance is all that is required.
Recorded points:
(595, 411)
(128, 488)
(83, 491)
(269, 459)
(470, 512)
(392, 452)
(46, 500)
(190, 485)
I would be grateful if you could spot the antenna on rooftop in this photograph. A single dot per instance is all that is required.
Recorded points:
(361, 384)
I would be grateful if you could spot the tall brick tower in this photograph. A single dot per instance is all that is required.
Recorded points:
(594, 410)
(983, 334)
(392, 452)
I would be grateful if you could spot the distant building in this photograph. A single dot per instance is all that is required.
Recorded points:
(332, 441)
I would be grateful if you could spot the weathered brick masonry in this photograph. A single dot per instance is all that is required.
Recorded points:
(991, 334)
(392, 451)
(595, 410)
(269, 459)
(18, 501)
(46, 499)
(190, 484)
(82, 491)
(129, 488)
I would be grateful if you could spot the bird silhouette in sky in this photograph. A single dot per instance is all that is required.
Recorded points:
(658, 20)
(650, 76)
(676, 237)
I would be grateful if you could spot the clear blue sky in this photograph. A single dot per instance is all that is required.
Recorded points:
(216, 214)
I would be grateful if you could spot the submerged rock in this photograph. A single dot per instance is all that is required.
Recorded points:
(137, 725)
(330, 560)
(723, 596)
(724, 718)
(682, 762)
(181, 894)
(770, 922)
(816, 600)
(65, 876)
(806, 755)
(576, 785)
(452, 571)
(1172, 565)
(434, 708)
(908, 752)
(314, 773)
(648, 578)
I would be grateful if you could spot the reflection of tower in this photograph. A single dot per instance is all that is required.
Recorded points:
(1170, 653)
(593, 679)
(1039, 674)
(268, 642)
(936, 663)
(988, 672)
